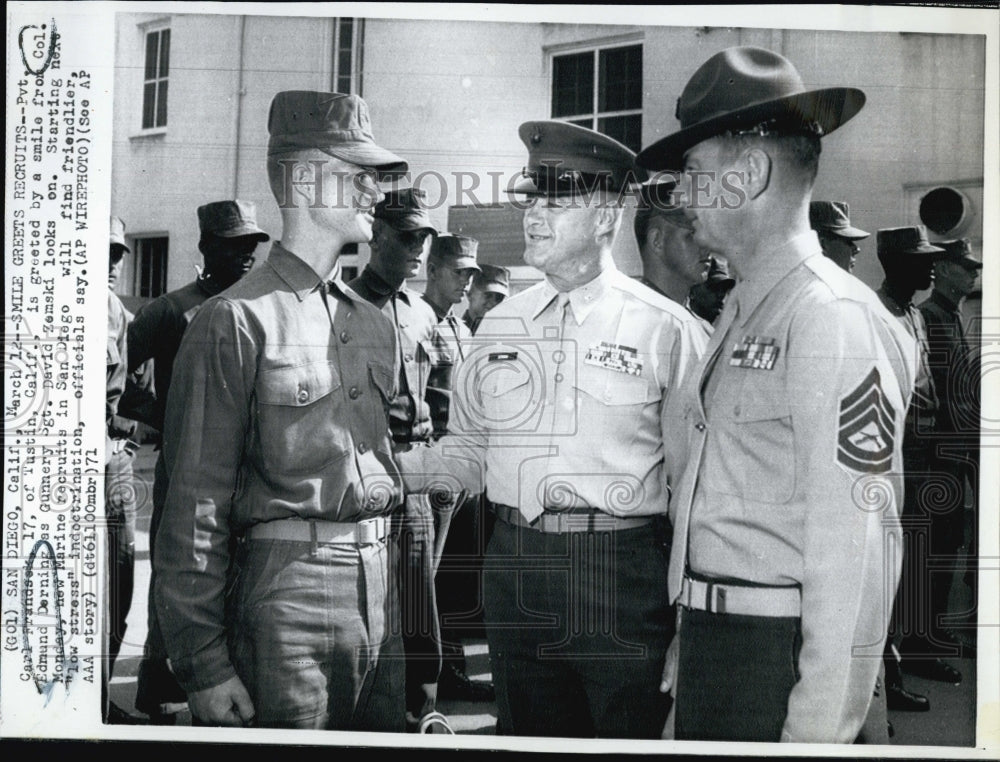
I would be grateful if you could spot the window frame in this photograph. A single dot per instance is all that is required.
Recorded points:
(157, 26)
(356, 74)
(595, 47)
(135, 243)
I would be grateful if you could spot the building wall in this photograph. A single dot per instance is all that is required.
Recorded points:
(449, 96)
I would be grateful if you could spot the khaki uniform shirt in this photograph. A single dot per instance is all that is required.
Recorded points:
(558, 403)
(449, 343)
(793, 478)
(954, 366)
(414, 320)
(277, 409)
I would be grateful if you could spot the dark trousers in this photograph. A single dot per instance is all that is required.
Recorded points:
(932, 520)
(120, 510)
(578, 625)
(459, 578)
(735, 674)
(423, 527)
(156, 684)
(313, 635)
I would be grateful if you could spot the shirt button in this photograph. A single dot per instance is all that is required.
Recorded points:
(700, 426)
(354, 392)
(408, 358)
(362, 448)
(303, 395)
(344, 337)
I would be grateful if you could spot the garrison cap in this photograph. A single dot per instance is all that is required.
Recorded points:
(334, 123)
(960, 252)
(565, 159)
(118, 233)
(403, 209)
(492, 278)
(908, 240)
(456, 251)
(230, 219)
(834, 217)
(749, 89)
(718, 275)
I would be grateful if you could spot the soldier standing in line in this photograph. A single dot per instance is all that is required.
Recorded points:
(229, 238)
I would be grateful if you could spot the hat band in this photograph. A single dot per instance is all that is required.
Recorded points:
(774, 127)
(551, 180)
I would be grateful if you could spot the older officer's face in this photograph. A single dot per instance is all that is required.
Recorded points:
(559, 233)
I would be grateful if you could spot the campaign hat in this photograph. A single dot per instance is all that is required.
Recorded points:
(748, 89)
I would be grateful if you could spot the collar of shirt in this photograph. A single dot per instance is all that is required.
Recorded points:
(944, 302)
(770, 269)
(892, 300)
(300, 277)
(649, 284)
(582, 299)
(441, 314)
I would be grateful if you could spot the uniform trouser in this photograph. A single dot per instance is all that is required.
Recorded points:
(156, 684)
(313, 634)
(423, 527)
(932, 522)
(577, 626)
(734, 676)
(120, 510)
(459, 578)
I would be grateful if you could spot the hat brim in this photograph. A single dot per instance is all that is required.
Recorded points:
(850, 233)
(494, 288)
(829, 108)
(369, 155)
(245, 230)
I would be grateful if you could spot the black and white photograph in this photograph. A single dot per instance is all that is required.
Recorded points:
(558, 378)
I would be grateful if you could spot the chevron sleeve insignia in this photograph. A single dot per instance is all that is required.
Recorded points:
(867, 428)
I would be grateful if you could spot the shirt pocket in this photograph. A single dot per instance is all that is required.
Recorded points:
(512, 403)
(750, 451)
(614, 389)
(301, 423)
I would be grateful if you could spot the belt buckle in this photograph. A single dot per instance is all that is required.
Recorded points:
(371, 530)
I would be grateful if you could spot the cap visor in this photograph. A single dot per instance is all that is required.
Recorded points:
(829, 108)
(854, 234)
(369, 155)
(243, 230)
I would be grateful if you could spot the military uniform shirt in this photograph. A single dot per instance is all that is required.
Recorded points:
(414, 320)
(156, 334)
(117, 352)
(449, 342)
(560, 400)
(954, 366)
(278, 409)
(795, 417)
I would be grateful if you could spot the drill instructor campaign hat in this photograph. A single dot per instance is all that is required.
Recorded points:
(749, 89)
